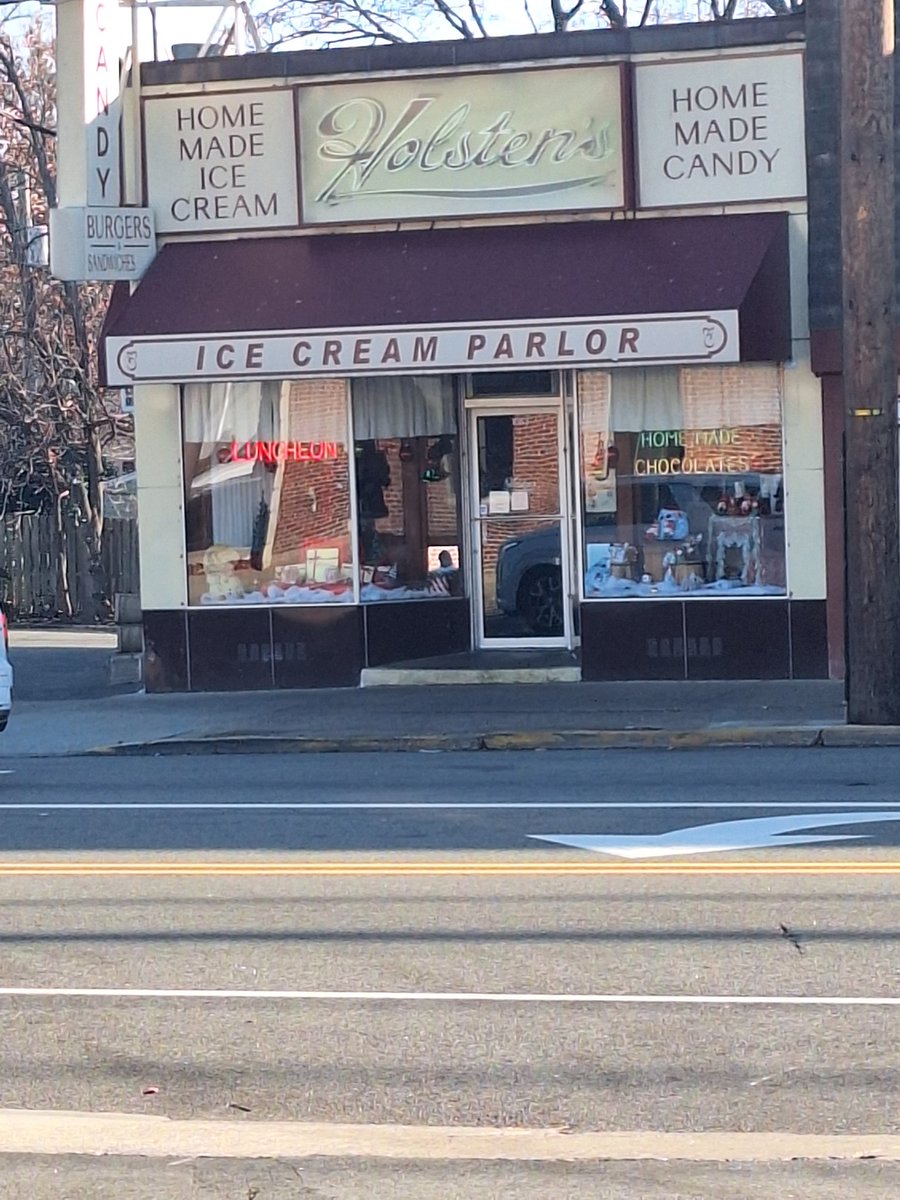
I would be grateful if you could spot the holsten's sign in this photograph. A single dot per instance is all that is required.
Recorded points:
(719, 131)
(452, 145)
(220, 162)
(416, 350)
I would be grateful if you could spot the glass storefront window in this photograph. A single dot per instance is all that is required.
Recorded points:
(500, 384)
(519, 536)
(267, 493)
(682, 482)
(407, 488)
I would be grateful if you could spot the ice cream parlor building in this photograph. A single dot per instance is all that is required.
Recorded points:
(478, 345)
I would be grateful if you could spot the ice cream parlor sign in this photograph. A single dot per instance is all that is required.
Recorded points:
(616, 341)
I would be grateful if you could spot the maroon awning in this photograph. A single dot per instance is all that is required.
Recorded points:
(488, 273)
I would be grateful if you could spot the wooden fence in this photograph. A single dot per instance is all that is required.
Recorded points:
(45, 573)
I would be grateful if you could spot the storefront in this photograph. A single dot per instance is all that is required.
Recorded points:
(476, 376)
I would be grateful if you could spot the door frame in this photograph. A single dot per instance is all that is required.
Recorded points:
(512, 407)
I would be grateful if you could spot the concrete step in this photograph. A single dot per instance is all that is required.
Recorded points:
(125, 668)
(429, 676)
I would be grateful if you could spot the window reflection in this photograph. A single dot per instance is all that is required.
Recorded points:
(407, 488)
(267, 493)
(682, 481)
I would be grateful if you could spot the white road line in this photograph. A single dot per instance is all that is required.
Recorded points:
(452, 997)
(424, 806)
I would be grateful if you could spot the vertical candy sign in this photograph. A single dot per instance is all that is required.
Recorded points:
(102, 101)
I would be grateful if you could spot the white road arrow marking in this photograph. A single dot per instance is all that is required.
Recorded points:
(723, 835)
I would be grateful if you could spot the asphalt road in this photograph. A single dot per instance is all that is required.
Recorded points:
(720, 995)
(62, 664)
(637, 791)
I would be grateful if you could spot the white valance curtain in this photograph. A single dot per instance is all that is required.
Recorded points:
(216, 413)
(645, 398)
(403, 406)
(225, 412)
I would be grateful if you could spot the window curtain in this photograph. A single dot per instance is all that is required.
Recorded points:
(223, 412)
(216, 414)
(403, 406)
(645, 398)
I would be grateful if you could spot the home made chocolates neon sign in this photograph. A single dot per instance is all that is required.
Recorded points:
(276, 452)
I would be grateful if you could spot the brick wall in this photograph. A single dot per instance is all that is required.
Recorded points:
(393, 494)
(730, 397)
(440, 500)
(443, 519)
(314, 505)
(535, 459)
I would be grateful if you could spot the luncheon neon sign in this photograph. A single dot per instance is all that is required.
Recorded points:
(276, 452)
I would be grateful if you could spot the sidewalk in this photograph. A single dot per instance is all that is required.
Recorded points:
(489, 717)
(63, 704)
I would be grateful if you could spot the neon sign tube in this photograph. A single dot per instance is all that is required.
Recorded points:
(276, 452)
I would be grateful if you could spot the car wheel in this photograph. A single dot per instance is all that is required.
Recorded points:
(540, 601)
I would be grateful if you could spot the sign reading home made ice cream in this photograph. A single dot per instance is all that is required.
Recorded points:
(455, 145)
(220, 162)
(720, 131)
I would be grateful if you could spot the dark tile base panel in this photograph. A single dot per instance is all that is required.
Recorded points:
(165, 651)
(401, 632)
(236, 649)
(696, 639)
(252, 649)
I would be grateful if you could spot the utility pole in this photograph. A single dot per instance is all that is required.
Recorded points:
(871, 469)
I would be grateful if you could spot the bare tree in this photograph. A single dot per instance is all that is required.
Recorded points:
(337, 22)
(55, 422)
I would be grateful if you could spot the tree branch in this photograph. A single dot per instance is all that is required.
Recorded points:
(476, 17)
(46, 176)
(453, 19)
(562, 17)
(41, 129)
(528, 14)
(613, 14)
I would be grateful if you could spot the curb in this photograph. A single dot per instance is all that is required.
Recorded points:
(861, 735)
(750, 737)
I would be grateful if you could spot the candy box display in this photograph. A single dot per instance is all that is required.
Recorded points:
(682, 562)
(622, 559)
(672, 525)
(622, 552)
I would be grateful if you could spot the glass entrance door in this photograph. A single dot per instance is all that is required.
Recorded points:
(520, 528)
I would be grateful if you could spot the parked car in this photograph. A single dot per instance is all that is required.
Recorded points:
(6, 673)
(529, 580)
